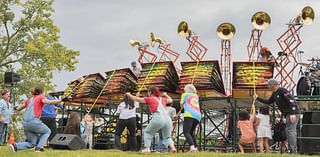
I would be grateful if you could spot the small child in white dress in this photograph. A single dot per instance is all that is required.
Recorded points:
(88, 128)
(264, 128)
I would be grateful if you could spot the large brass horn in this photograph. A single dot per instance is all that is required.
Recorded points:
(136, 43)
(226, 31)
(183, 29)
(260, 20)
(307, 15)
(154, 39)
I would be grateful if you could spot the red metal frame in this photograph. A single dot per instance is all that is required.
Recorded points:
(225, 64)
(168, 54)
(289, 42)
(254, 44)
(146, 56)
(196, 50)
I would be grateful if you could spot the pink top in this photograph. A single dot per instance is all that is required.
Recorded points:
(153, 103)
(248, 135)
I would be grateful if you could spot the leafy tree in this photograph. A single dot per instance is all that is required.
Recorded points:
(29, 43)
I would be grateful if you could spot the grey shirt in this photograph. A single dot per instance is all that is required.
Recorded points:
(171, 111)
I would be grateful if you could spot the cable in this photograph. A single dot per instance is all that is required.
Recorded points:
(96, 100)
(145, 79)
(254, 88)
(195, 70)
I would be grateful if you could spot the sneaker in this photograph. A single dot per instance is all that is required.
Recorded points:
(12, 148)
(37, 149)
(145, 151)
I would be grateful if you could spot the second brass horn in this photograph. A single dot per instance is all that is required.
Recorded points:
(226, 31)
(307, 15)
(154, 39)
(183, 29)
(260, 20)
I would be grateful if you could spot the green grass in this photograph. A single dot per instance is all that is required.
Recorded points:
(109, 153)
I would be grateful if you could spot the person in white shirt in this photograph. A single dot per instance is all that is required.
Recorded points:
(264, 128)
(127, 119)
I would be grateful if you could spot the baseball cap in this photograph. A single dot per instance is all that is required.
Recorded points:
(273, 82)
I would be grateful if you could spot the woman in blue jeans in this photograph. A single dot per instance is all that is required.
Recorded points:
(160, 118)
(34, 129)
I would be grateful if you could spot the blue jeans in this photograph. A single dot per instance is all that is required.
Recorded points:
(160, 146)
(158, 122)
(3, 128)
(33, 130)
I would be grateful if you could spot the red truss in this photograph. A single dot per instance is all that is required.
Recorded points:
(168, 54)
(146, 56)
(287, 63)
(196, 50)
(254, 45)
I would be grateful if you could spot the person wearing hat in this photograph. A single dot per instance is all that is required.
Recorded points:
(289, 109)
(135, 68)
(265, 55)
(5, 113)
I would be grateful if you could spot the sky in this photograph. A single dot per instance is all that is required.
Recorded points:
(101, 29)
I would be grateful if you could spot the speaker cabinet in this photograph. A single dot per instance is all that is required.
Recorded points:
(310, 129)
(11, 77)
(67, 141)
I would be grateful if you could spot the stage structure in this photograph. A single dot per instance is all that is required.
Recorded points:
(226, 31)
(145, 56)
(260, 21)
(166, 53)
(289, 43)
(196, 50)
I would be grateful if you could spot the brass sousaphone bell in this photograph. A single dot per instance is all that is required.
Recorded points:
(306, 16)
(226, 31)
(260, 20)
(184, 30)
(154, 39)
(137, 43)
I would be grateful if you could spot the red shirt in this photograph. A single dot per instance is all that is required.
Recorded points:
(153, 103)
(38, 105)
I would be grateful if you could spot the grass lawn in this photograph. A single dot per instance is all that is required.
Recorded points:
(109, 153)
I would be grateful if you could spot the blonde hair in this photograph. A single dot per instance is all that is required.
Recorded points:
(190, 88)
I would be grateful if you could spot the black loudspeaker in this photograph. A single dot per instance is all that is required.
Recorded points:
(310, 129)
(67, 141)
(11, 77)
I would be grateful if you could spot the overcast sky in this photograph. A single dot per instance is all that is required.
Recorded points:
(101, 29)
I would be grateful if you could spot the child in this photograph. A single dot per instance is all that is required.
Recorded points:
(248, 135)
(264, 128)
(88, 127)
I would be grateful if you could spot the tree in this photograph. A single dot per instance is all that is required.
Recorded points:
(29, 43)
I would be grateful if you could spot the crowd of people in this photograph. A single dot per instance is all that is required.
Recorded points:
(39, 121)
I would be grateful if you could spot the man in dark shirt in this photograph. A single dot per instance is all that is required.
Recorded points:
(288, 107)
